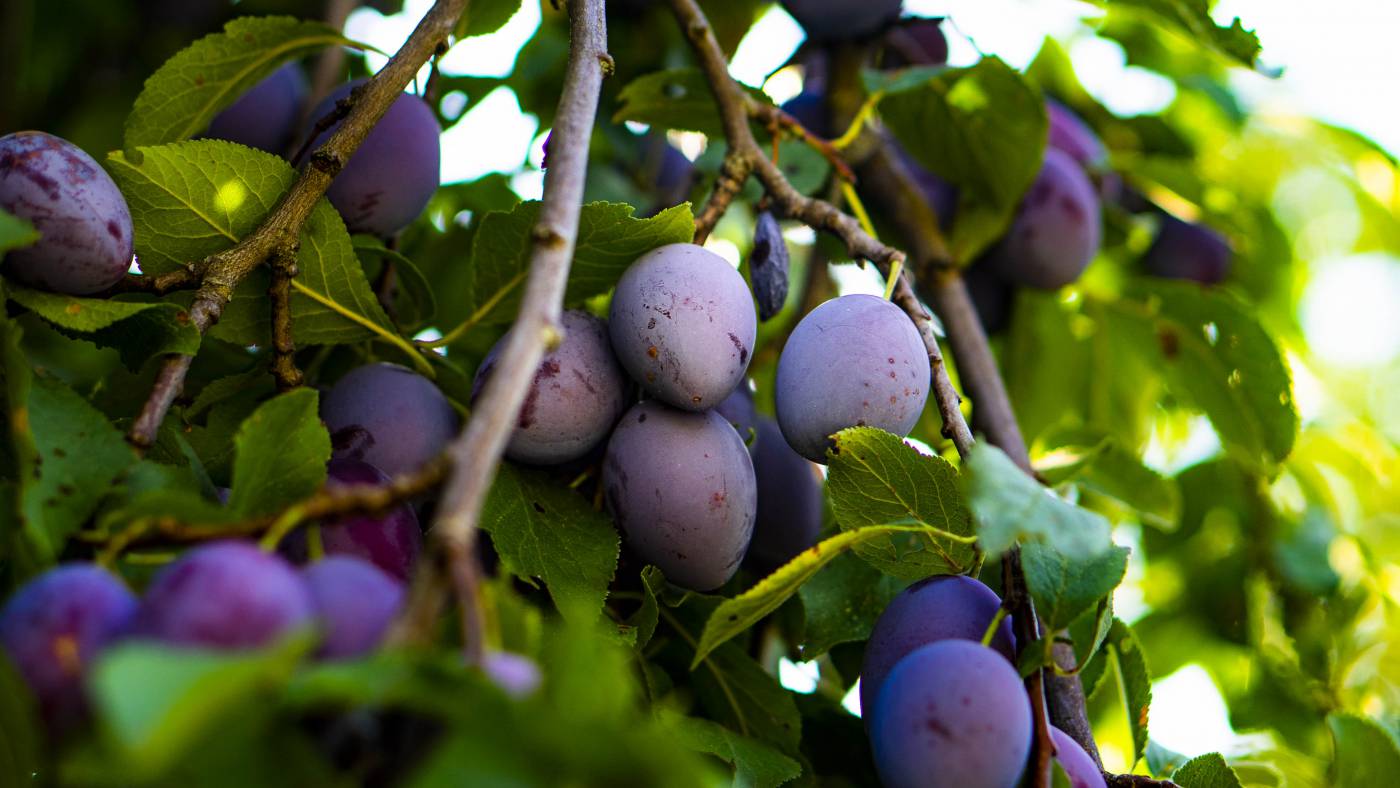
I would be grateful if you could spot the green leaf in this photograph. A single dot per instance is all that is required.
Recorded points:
(137, 329)
(1089, 631)
(15, 232)
(192, 199)
(874, 478)
(842, 603)
(1135, 681)
(1217, 355)
(991, 136)
(541, 529)
(1011, 507)
(1162, 761)
(1208, 771)
(1108, 468)
(755, 763)
(484, 17)
(420, 301)
(736, 615)
(743, 696)
(19, 728)
(1365, 753)
(1064, 588)
(186, 92)
(1191, 19)
(281, 453)
(678, 98)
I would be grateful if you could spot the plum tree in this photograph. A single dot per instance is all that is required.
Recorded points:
(577, 394)
(842, 20)
(854, 361)
(1056, 231)
(354, 601)
(226, 595)
(85, 242)
(390, 178)
(1078, 766)
(389, 416)
(53, 629)
(1069, 134)
(265, 117)
(682, 488)
(738, 409)
(1184, 250)
(951, 713)
(935, 608)
(789, 499)
(768, 266)
(683, 325)
(390, 541)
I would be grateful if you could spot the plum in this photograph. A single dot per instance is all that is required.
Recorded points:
(578, 393)
(1078, 765)
(738, 409)
(915, 42)
(390, 541)
(933, 609)
(991, 297)
(389, 416)
(1183, 250)
(55, 627)
(682, 488)
(354, 601)
(768, 266)
(265, 117)
(1071, 135)
(842, 20)
(789, 499)
(1056, 231)
(226, 595)
(85, 242)
(388, 181)
(952, 713)
(853, 361)
(683, 325)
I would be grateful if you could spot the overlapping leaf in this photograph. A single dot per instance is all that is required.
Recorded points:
(137, 329)
(1011, 507)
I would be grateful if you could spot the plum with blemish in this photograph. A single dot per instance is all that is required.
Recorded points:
(388, 416)
(1057, 229)
(390, 540)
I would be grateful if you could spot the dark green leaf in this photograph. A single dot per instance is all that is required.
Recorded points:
(755, 763)
(676, 99)
(1162, 761)
(1108, 468)
(1136, 681)
(1064, 588)
(137, 329)
(187, 91)
(281, 452)
(842, 603)
(741, 695)
(19, 728)
(484, 17)
(1011, 507)
(1206, 771)
(1365, 754)
(1191, 19)
(15, 232)
(420, 302)
(875, 478)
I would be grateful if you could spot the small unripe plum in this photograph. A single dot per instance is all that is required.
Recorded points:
(682, 488)
(53, 629)
(936, 608)
(388, 181)
(1183, 250)
(952, 713)
(738, 409)
(768, 266)
(1078, 765)
(1071, 135)
(842, 20)
(265, 117)
(85, 239)
(355, 602)
(227, 595)
(578, 393)
(683, 325)
(854, 361)
(389, 416)
(789, 499)
(390, 541)
(1057, 228)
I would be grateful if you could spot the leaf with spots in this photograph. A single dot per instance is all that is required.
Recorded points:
(138, 329)
(546, 531)
(189, 89)
(281, 452)
(874, 478)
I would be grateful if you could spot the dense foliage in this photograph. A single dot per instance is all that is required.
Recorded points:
(723, 464)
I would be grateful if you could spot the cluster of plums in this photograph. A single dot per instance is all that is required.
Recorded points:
(942, 709)
(86, 240)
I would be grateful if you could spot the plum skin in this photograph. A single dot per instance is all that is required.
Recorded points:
(389, 416)
(1069, 134)
(387, 183)
(355, 602)
(739, 410)
(576, 396)
(683, 324)
(789, 517)
(952, 713)
(55, 627)
(681, 486)
(266, 116)
(226, 595)
(842, 20)
(936, 608)
(1078, 765)
(1193, 252)
(85, 232)
(390, 541)
(854, 361)
(1057, 229)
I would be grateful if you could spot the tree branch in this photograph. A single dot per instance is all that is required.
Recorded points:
(284, 365)
(477, 451)
(221, 273)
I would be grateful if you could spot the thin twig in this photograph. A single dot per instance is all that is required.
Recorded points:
(277, 234)
(477, 451)
(279, 291)
(182, 279)
(733, 172)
